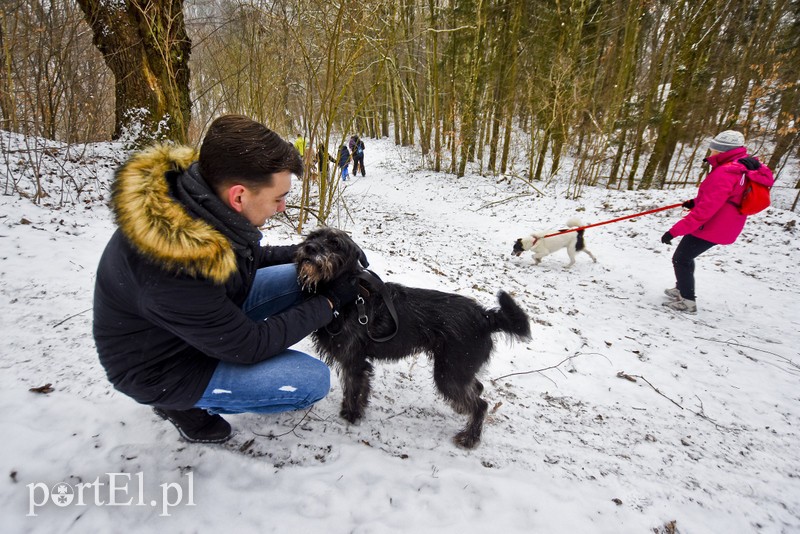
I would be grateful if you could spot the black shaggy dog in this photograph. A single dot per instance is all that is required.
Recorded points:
(390, 322)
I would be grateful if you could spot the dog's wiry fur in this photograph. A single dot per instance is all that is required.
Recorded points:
(544, 246)
(455, 331)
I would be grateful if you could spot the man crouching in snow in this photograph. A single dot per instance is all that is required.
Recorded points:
(191, 314)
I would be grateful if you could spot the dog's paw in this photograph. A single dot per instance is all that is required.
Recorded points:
(466, 439)
(351, 416)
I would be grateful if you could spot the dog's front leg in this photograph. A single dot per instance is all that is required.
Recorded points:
(356, 388)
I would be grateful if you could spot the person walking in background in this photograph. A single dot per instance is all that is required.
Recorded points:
(358, 156)
(714, 217)
(304, 148)
(300, 145)
(344, 161)
(323, 158)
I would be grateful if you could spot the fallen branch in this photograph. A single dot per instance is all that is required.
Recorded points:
(700, 414)
(290, 431)
(556, 366)
(70, 317)
(623, 374)
(397, 414)
(735, 344)
(655, 389)
(509, 199)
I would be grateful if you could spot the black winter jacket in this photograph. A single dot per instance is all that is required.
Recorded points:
(171, 282)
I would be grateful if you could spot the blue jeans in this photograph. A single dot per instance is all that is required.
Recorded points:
(292, 380)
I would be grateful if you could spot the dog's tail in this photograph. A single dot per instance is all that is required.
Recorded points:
(510, 318)
(574, 222)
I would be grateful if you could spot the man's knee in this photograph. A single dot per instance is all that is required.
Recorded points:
(319, 382)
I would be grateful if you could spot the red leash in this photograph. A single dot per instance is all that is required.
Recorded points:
(671, 206)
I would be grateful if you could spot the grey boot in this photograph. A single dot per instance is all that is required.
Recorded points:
(673, 293)
(682, 305)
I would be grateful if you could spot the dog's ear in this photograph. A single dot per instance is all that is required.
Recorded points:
(341, 241)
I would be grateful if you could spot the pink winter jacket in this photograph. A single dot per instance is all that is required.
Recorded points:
(715, 216)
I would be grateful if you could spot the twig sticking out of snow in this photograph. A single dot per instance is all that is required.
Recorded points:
(700, 414)
(791, 363)
(556, 366)
(70, 317)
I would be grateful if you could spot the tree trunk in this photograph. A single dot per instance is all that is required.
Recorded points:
(690, 59)
(537, 175)
(617, 161)
(510, 82)
(397, 108)
(469, 117)
(145, 45)
(507, 139)
(787, 133)
(435, 90)
(8, 116)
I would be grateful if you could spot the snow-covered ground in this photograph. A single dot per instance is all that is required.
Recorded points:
(618, 417)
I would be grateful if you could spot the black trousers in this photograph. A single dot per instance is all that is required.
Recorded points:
(358, 161)
(683, 262)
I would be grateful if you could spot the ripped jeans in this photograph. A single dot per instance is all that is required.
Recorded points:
(292, 380)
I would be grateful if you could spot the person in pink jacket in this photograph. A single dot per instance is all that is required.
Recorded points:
(714, 217)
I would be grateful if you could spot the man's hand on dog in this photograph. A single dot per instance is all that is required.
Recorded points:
(341, 291)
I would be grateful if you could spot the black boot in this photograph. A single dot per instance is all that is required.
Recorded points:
(197, 425)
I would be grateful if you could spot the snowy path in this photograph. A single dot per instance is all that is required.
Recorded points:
(704, 430)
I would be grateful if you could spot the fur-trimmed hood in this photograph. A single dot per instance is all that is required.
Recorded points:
(159, 226)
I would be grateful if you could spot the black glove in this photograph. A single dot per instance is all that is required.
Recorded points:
(750, 162)
(666, 238)
(689, 204)
(341, 292)
(279, 254)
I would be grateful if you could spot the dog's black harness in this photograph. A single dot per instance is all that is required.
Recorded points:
(373, 281)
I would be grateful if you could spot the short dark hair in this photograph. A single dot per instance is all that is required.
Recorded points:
(237, 149)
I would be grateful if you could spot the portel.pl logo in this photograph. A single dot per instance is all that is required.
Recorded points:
(119, 489)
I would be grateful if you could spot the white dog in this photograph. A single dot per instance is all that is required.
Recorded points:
(542, 246)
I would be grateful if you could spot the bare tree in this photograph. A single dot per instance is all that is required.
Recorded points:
(52, 83)
(629, 89)
(145, 45)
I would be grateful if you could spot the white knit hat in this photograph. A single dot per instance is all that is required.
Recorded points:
(727, 140)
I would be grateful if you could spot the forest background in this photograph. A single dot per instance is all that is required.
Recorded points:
(629, 89)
